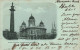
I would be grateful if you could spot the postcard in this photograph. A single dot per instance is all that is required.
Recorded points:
(39, 25)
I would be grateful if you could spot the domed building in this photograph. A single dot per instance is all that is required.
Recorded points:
(32, 31)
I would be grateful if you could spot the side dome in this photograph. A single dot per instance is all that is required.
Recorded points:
(41, 22)
(23, 23)
(31, 17)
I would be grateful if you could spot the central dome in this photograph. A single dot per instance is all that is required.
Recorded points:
(31, 17)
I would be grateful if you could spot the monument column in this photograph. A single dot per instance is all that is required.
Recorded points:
(12, 19)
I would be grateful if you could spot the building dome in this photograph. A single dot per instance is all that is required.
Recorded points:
(31, 17)
(23, 26)
(31, 21)
(23, 23)
(41, 22)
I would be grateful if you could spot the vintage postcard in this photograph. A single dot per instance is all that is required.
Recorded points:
(40, 25)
